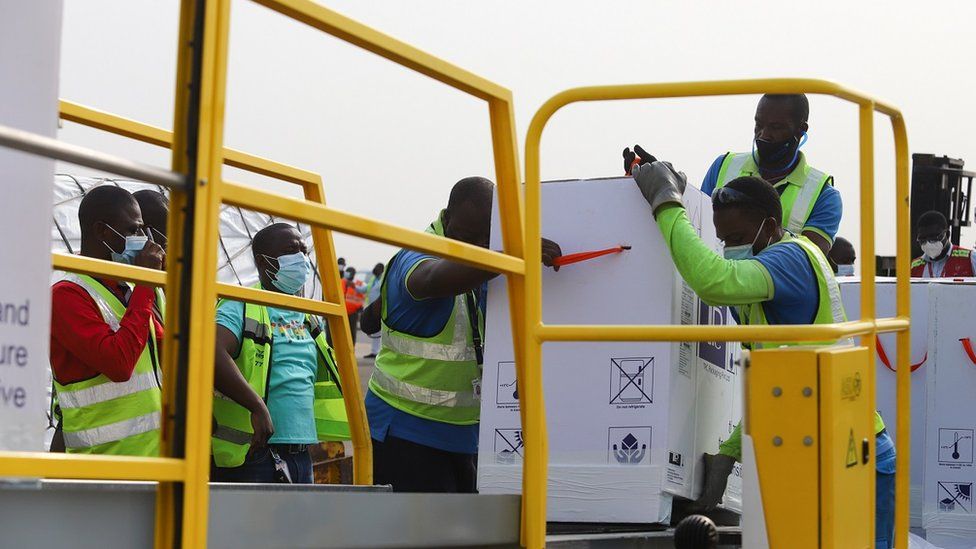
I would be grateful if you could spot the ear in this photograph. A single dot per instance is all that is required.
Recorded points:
(804, 127)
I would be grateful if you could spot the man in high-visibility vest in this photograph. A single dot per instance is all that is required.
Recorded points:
(769, 276)
(105, 336)
(269, 407)
(354, 294)
(811, 205)
(424, 398)
(940, 258)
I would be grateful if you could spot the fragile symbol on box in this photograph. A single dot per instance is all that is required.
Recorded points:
(631, 380)
(955, 446)
(506, 393)
(508, 445)
(628, 445)
(955, 497)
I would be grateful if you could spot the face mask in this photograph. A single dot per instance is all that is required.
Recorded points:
(933, 248)
(292, 274)
(133, 245)
(772, 153)
(744, 251)
(845, 270)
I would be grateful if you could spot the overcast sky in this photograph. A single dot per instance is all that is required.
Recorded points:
(390, 143)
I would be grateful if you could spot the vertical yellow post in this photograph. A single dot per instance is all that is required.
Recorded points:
(342, 341)
(903, 338)
(535, 470)
(206, 189)
(505, 148)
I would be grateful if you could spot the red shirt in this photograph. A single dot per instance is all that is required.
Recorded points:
(83, 345)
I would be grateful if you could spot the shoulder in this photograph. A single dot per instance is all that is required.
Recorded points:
(918, 262)
(711, 176)
(958, 251)
(405, 262)
(786, 259)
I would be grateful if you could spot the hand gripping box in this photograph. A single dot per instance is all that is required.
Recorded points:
(626, 420)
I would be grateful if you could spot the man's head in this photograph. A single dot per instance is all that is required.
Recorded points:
(842, 256)
(378, 269)
(276, 248)
(350, 273)
(468, 214)
(155, 211)
(107, 215)
(781, 121)
(933, 234)
(748, 214)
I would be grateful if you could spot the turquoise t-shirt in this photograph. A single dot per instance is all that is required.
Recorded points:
(294, 363)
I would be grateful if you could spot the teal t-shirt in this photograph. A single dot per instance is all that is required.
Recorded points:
(291, 391)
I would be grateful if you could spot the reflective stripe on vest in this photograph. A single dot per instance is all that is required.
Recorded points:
(797, 205)
(458, 350)
(112, 432)
(423, 395)
(833, 289)
(106, 391)
(230, 434)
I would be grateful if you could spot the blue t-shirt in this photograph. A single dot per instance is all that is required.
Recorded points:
(826, 213)
(294, 364)
(424, 318)
(795, 295)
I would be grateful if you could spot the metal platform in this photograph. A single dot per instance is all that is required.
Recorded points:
(84, 514)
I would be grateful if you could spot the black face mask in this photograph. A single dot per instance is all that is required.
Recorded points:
(773, 154)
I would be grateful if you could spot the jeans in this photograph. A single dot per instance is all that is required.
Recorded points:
(884, 505)
(259, 467)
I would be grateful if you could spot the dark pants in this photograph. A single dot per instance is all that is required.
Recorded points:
(259, 467)
(412, 467)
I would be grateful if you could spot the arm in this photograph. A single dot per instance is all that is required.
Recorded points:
(369, 322)
(77, 324)
(824, 220)
(716, 280)
(433, 278)
(229, 381)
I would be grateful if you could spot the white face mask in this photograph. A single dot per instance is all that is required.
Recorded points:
(845, 270)
(933, 248)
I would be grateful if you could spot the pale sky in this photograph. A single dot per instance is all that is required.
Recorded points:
(390, 143)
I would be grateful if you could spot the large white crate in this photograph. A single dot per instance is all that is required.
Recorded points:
(624, 418)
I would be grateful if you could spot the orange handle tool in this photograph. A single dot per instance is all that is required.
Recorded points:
(584, 256)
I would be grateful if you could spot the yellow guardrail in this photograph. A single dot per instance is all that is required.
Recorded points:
(197, 145)
(536, 332)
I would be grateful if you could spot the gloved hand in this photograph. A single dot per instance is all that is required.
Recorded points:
(660, 184)
(629, 157)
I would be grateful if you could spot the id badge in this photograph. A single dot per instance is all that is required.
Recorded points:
(476, 386)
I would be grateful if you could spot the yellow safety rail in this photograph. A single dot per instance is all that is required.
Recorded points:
(197, 145)
(536, 332)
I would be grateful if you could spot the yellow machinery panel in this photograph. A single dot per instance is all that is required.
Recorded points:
(847, 447)
(780, 415)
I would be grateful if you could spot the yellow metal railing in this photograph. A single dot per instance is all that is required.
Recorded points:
(197, 145)
(536, 332)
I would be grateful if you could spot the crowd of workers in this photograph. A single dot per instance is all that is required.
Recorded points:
(276, 386)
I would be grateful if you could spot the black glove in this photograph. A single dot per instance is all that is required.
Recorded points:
(630, 156)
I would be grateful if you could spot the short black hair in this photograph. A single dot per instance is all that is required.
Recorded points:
(102, 203)
(471, 189)
(799, 105)
(262, 239)
(153, 204)
(761, 198)
(934, 219)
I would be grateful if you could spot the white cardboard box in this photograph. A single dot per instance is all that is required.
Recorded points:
(850, 290)
(949, 517)
(621, 416)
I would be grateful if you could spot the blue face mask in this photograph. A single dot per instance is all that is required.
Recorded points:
(293, 272)
(133, 245)
(845, 270)
(743, 251)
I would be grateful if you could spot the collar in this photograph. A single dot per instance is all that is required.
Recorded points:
(437, 226)
(795, 177)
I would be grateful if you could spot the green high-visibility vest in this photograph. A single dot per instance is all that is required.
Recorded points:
(437, 377)
(803, 186)
(100, 416)
(232, 435)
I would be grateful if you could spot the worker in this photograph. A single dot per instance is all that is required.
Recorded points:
(768, 274)
(106, 334)
(354, 297)
(155, 211)
(424, 397)
(842, 257)
(270, 406)
(940, 258)
(373, 281)
(342, 267)
(811, 205)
